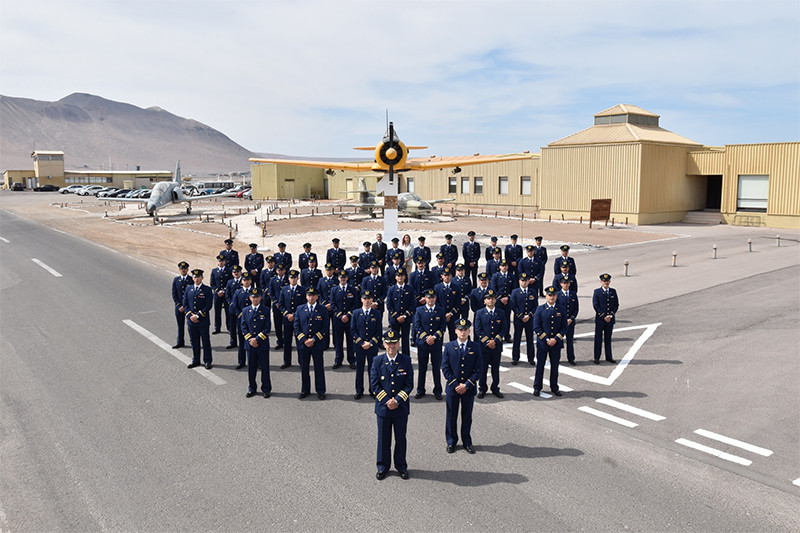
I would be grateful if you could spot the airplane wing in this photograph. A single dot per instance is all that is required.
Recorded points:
(443, 200)
(132, 200)
(335, 165)
(431, 163)
(206, 196)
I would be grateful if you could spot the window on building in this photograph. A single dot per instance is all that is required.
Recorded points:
(478, 185)
(465, 185)
(503, 182)
(452, 185)
(410, 184)
(525, 185)
(752, 195)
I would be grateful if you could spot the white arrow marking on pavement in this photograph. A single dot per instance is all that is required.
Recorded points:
(733, 442)
(715, 452)
(209, 375)
(53, 272)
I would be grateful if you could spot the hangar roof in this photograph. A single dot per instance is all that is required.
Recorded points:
(621, 109)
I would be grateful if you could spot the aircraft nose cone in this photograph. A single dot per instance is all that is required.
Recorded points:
(391, 153)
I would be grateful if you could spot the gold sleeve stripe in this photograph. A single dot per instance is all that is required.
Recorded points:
(381, 395)
(247, 336)
(262, 336)
(403, 394)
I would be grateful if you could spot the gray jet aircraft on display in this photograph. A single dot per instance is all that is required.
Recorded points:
(407, 202)
(170, 192)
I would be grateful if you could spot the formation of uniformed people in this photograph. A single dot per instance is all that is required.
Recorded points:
(375, 302)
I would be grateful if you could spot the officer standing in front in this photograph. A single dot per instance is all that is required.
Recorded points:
(462, 366)
(197, 302)
(179, 284)
(311, 328)
(392, 379)
(550, 328)
(606, 304)
(255, 327)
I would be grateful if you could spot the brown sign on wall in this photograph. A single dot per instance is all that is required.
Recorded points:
(601, 210)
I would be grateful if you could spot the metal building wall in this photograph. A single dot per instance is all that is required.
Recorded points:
(707, 162)
(270, 181)
(666, 191)
(574, 175)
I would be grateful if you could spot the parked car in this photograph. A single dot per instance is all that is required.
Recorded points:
(89, 190)
(69, 189)
(248, 195)
(17, 187)
(145, 193)
(119, 194)
(46, 188)
(108, 191)
(241, 193)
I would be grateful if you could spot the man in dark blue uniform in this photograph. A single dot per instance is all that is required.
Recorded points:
(493, 264)
(276, 284)
(254, 263)
(304, 258)
(471, 252)
(490, 249)
(310, 276)
(219, 280)
(448, 296)
(355, 273)
(449, 251)
(344, 299)
(282, 257)
(376, 285)
(324, 286)
(421, 251)
(231, 256)
(230, 319)
(523, 304)
(491, 327)
(464, 287)
(391, 270)
(401, 305)
(462, 366)
(290, 298)
(564, 257)
(267, 273)
(366, 329)
(513, 255)
(436, 270)
(240, 301)
(540, 253)
(197, 303)
(311, 330)
(550, 328)
(606, 305)
(336, 256)
(391, 378)
(379, 250)
(503, 282)
(565, 266)
(533, 267)
(366, 257)
(392, 252)
(429, 327)
(179, 284)
(569, 301)
(421, 280)
(476, 301)
(255, 328)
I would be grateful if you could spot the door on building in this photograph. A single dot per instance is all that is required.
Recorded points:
(714, 192)
(288, 188)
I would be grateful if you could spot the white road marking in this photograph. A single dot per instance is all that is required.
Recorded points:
(631, 409)
(733, 442)
(503, 369)
(560, 387)
(53, 272)
(606, 416)
(796, 482)
(209, 375)
(5, 240)
(529, 390)
(715, 452)
(649, 329)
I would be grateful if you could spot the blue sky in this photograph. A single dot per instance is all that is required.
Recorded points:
(315, 78)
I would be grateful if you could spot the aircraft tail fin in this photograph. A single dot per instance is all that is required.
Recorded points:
(177, 176)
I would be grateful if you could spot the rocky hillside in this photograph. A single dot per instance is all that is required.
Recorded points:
(91, 130)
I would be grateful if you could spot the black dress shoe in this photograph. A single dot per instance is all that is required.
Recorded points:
(267, 395)
(353, 366)
(514, 363)
(499, 394)
(192, 365)
(419, 395)
(239, 367)
(403, 474)
(380, 475)
(469, 448)
(336, 365)
(215, 332)
(535, 392)
(357, 396)
(610, 361)
(451, 449)
(250, 394)
(573, 363)
(302, 395)
(556, 392)
(532, 363)
(481, 394)
(279, 347)
(209, 366)
(284, 365)
(597, 361)
(230, 347)
(437, 396)
(321, 396)
(179, 345)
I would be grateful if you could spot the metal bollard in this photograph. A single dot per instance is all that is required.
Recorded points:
(714, 255)
(674, 258)
(778, 238)
(749, 245)
(626, 263)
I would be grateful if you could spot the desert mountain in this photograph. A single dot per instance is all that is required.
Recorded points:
(91, 131)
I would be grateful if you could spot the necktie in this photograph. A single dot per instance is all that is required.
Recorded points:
(463, 347)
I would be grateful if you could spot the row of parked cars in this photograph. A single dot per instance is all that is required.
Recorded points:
(105, 192)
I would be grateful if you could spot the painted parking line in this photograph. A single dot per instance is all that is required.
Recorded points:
(733, 442)
(715, 452)
(562, 388)
(5, 240)
(630, 409)
(796, 482)
(209, 375)
(529, 390)
(606, 416)
(52, 271)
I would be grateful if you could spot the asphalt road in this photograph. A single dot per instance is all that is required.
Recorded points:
(101, 428)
